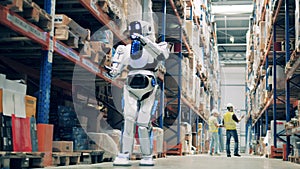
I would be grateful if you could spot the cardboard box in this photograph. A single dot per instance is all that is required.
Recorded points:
(46, 25)
(296, 152)
(33, 13)
(45, 137)
(62, 146)
(1, 104)
(73, 40)
(16, 6)
(83, 33)
(96, 45)
(189, 30)
(86, 50)
(30, 105)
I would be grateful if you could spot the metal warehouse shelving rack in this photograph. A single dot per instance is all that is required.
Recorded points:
(177, 102)
(52, 48)
(22, 26)
(277, 98)
(176, 97)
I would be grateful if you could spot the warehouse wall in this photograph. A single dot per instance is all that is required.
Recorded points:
(233, 91)
(233, 86)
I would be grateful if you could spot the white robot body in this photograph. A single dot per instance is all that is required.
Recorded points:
(140, 82)
(139, 93)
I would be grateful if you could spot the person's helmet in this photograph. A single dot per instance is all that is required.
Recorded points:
(215, 111)
(229, 105)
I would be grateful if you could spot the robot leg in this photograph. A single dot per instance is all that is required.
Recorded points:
(127, 140)
(145, 142)
(145, 129)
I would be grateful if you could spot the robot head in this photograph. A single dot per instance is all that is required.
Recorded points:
(141, 27)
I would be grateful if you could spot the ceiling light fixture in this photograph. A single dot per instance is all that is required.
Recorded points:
(231, 39)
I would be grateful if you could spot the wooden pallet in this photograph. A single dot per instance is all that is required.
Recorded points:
(174, 150)
(276, 152)
(294, 159)
(65, 158)
(30, 11)
(36, 159)
(12, 160)
(21, 160)
(91, 156)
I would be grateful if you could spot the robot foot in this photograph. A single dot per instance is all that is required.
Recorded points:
(122, 160)
(147, 161)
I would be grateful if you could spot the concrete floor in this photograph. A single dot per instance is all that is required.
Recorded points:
(202, 161)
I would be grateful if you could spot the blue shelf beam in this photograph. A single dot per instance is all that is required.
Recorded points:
(261, 126)
(179, 87)
(287, 84)
(274, 86)
(45, 88)
(267, 120)
(46, 74)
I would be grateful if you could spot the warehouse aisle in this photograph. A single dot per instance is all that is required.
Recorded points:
(202, 162)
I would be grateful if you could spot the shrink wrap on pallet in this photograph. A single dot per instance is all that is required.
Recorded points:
(158, 139)
(103, 142)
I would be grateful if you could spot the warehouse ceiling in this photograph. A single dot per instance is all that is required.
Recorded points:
(232, 19)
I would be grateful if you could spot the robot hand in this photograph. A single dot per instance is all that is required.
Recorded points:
(157, 50)
(142, 39)
(113, 73)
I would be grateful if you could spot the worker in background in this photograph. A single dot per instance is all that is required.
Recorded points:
(229, 121)
(213, 130)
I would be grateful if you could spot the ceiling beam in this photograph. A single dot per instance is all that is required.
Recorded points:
(245, 2)
(232, 18)
(232, 51)
(231, 54)
(232, 44)
(232, 28)
(235, 37)
(231, 63)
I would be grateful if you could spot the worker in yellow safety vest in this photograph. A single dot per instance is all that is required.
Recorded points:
(213, 131)
(229, 121)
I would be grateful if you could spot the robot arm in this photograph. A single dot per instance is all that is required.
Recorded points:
(119, 61)
(158, 51)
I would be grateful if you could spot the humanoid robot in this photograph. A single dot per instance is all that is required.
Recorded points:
(142, 58)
